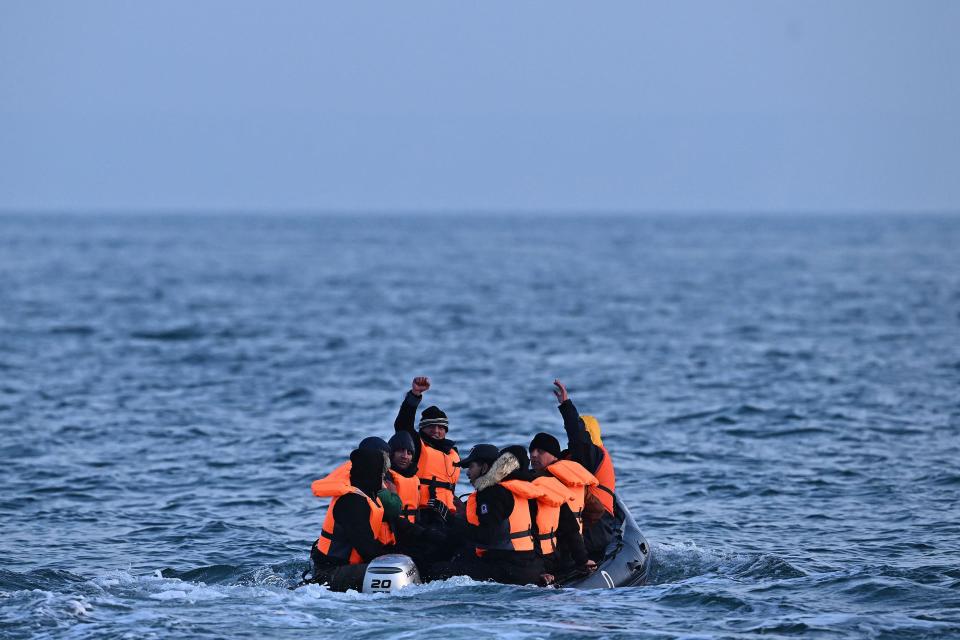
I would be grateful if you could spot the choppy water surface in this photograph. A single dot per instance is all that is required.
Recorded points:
(780, 395)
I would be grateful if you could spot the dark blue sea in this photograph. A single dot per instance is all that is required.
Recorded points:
(780, 394)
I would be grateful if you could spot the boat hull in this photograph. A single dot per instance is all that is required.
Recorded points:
(628, 560)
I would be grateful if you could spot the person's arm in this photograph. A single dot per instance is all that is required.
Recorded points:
(568, 536)
(494, 506)
(352, 514)
(407, 416)
(579, 444)
(410, 533)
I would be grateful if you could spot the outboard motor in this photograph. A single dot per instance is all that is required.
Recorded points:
(390, 573)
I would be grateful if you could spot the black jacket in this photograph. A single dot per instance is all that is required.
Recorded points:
(351, 512)
(579, 445)
(494, 506)
(405, 421)
(352, 515)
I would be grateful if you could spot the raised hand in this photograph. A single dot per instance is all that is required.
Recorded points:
(420, 384)
(560, 391)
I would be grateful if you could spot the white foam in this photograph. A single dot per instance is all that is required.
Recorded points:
(188, 591)
(79, 608)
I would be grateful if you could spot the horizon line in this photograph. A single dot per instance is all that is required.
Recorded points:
(458, 211)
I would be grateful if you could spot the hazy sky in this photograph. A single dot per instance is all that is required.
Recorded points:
(672, 105)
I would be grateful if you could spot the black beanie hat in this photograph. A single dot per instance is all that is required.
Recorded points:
(546, 442)
(434, 416)
(401, 440)
(366, 470)
(374, 443)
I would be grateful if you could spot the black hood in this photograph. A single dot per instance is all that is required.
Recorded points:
(366, 470)
(524, 472)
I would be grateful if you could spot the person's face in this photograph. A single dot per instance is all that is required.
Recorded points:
(477, 469)
(401, 459)
(435, 431)
(540, 459)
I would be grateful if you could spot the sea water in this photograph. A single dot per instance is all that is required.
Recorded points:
(780, 395)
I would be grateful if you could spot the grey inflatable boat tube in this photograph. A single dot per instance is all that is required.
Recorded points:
(628, 561)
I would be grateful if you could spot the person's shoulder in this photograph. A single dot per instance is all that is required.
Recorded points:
(354, 500)
(492, 493)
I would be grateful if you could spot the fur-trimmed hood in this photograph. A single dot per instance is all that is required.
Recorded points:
(499, 470)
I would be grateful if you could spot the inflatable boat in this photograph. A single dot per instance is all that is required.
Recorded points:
(627, 562)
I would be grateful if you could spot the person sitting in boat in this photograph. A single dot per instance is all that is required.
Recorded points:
(498, 522)
(422, 543)
(353, 529)
(559, 524)
(342, 473)
(434, 457)
(423, 539)
(585, 447)
(402, 478)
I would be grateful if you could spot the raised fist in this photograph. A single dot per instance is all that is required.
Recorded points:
(420, 384)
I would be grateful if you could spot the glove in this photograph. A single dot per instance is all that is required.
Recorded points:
(391, 504)
(439, 507)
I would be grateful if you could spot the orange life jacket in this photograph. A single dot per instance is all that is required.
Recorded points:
(332, 481)
(555, 495)
(333, 541)
(409, 491)
(576, 478)
(607, 479)
(438, 476)
(517, 531)
(407, 488)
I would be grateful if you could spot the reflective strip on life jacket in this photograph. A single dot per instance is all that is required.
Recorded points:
(333, 542)
(438, 475)
(516, 532)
